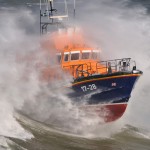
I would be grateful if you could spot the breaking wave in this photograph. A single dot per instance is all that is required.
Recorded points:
(122, 32)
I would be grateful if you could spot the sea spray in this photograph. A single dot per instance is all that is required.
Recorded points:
(12, 88)
(122, 31)
(23, 89)
(55, 107)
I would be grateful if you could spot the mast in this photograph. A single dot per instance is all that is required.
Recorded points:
(40, 18)
(51, 8)
(50, 13)
(74, 10)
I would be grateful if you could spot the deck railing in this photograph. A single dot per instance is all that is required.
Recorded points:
(116, 65)
(102, 67)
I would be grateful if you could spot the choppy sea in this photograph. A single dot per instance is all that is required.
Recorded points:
(37, 116)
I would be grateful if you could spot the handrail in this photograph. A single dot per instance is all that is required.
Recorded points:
(117, 65)
(102, 67)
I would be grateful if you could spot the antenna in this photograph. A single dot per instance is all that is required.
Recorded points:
(74, 8)
(40, 17)
(66, 8)
(51, 8)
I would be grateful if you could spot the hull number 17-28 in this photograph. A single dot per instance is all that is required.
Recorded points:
(89, 87)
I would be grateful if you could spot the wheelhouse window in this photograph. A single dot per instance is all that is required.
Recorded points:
(66, 56)
(58, 57)
(86, 54)
(75, 55)
(95, 54)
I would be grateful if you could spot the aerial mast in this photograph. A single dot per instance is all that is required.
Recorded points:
(74, 12)
(52, 18)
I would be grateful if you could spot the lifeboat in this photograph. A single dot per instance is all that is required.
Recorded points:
(102, 87)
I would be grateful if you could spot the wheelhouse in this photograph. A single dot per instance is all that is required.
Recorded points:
(78, 55)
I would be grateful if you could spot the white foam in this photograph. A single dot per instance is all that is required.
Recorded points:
(118, 35)
(123, 31)
(12, 89)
